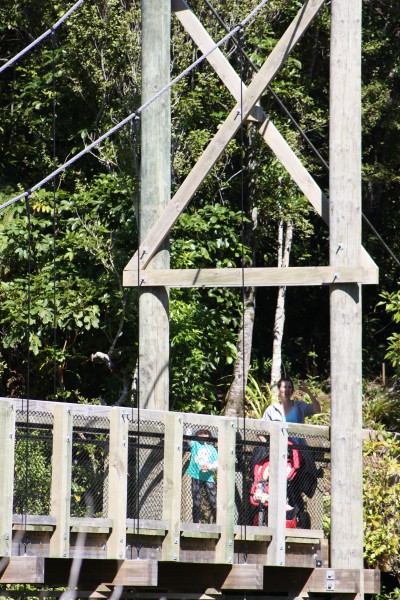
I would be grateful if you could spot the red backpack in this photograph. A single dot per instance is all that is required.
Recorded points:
(259, 492)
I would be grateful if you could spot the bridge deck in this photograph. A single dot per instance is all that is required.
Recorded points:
(108, 487)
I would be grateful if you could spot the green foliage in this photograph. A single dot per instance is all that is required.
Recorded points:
(382, 502)
(32, 477)
(257, 400)
(391, 302)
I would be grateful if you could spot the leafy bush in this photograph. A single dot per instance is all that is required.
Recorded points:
(382, 502)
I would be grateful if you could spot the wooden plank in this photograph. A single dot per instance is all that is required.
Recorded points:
(307, 534)
(224, 550)
(244, 577)
(345, 299)
(256, 276)
(22, 569)
(224, 135)
(211, 528)
(60, 497)
(91, 522)
(136, 573)
(101, 412)
(34, 520)
(158, 527)
(94, 572)
(172, 485)
(117, 483)
(7, 453)
(277, 493)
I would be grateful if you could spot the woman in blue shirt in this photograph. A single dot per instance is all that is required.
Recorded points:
(292, 411)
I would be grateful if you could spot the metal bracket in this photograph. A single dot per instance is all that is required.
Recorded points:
(330, 580)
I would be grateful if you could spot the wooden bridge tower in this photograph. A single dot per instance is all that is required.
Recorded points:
(350, 266)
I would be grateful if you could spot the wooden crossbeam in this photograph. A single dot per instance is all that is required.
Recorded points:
(224, 135)
(259, 277)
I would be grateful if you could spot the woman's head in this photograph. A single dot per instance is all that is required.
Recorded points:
(285, 388)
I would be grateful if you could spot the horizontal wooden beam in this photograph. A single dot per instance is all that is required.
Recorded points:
(94, 572)
(258, 277)
(22, 569)
(39, 570)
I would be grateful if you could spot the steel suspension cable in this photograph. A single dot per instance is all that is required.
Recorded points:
(41, 37)
(135, 114)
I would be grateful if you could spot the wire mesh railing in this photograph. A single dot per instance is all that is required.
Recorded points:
(32, 466)
(89, 475)
(308, 489)
(145, 470)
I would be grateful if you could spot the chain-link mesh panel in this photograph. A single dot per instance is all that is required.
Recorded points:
(90, 452)
(199, 498)
(250, 448)
(309, 490)
(32, 470)
(145, 470)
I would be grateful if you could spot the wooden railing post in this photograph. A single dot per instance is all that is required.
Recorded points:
(60, 500)
(117, 483)
(278, 491)
(224, 550)
(172, 485)
(7, 451)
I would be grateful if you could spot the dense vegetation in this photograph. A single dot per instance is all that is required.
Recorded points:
(80, 230)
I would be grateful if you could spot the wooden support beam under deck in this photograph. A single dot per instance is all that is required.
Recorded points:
(182, 577)
(259, 276)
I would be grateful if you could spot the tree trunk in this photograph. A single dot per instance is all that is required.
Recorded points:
(284, 248)
(235, 396)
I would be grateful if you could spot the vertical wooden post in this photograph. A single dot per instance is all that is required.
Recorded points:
(7, 450)
(117, 483)
(155, 195)
(345, 299)
(173, 441)
(278, 489)
(60, 499)
(226, 490)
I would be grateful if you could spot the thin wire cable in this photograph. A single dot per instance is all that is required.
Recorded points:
(244, 490)
(41, 37)
(28, 374)
(138, 228)
(297, 125)
(53, 48)
(135, 114)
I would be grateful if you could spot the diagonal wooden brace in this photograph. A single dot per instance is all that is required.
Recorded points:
(266, 128)
(224, 135)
